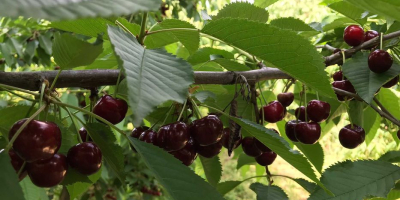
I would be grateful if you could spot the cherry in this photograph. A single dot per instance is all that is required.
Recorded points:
(318, 111)
(250, 148)
(207, 130)
(379, 61)
(17, 163)
(85, 158)
(351, 137)
(290, 130)
(149, 136)
(338, 76)
(210, 150)
(266, 158)
(39, 140)
(136, 132)
(392, 82)
(273, 112)
(48, 173)
(398, 134)
(354, 35)
(302, 115)
(308, 132)
(370, 35)
(225, 139)
(83, 134)
(113, 110)
(261, 146)
(286, 98)
(187, 154)
(173, 136)
(344, 85)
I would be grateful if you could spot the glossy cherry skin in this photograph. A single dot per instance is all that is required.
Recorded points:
(346, 86)
(173, 136)
(39, 140)
(273, 112)
(354, 35)
(85, 158)
(398, 134)
(392, 82)
(136, 132)
(250, 148)
(286, 98)
(338, 76)
(266, 158)
(318, 111)
(225, 139)
(113, 110)
(149, 136)
(370, 35)
(48, 173)
(290, 130)
(261, 146)
(210, 150)
(308, 132)
(84, 134)
(17, 163)
(207, 130)
(302, 115)
(187, 154)
(379, 61)
(351, 137)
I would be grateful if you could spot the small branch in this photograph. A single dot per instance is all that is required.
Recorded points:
(382, 107)
(326, 46)
(142, 33)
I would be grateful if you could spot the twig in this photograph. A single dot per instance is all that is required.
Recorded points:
(326, 46)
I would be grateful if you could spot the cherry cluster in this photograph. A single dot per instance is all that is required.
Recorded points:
(151, 191)
(254, 148)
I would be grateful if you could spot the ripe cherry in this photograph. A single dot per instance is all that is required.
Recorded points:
(39, 140)
(210, 150)
(290, 130)
(48, 173)
(207, 130)
(351, 137)
(85, 158)
(17, 163)
(261, 146)
(149, 136)
(84, 134)
(354, 35)
(398, 134)
(273, 112)
(286, 98)
(187, 154)
(225, 139)
(346, 86)
(300, 113)
(173, 136)
(338, 76)
(379, 61)
(113, 110)
(392, 82)
(250, 148)
(308, 132)
(318, 111)
(136, 132)
(371, 34)
(266, 158)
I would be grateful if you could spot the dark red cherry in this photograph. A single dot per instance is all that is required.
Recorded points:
(173, 136)
(39, 140)
(398, 134)
(261, 146)
(286, 98)
(338, 76)
(351, 137)
(210, 150)
(85, 158)
(84, 134)
(273, 112)
(346, 86)
(149, 136)
(318, 111)
(250, 148)
(48, 173)
(207, 130)
(266, 158)
(136, 132)
(187, 154)
(370, 35)
(379, 61)
(354, 35)
(290, 130)
(392, 82)
(308, 132)
(17, 163)
(113, 110)
(225, 139)
(302, 115)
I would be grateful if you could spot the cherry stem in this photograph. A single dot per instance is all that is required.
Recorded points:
(123, 27)
(19, 89)
(195, 108)
(72, 119)
(167, 114)
(9, 145)
(62, 118)
(18, 95)
(55, 80)
(172, 29)
(261, 93)
(316, 93)
(305, 101)
(142, 33)
(30, 109)
(343, 56)
(298, 114)
(21, 169)
(117, 85)
(41, 95)
(183, 108)
(381, 43)
(269, 176)
(348, 113)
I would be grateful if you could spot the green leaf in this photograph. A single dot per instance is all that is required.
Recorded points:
(264, 3)
(69, 139)
(356, 180)
(9, 187)
(230, 65)
(189, 38)
(46, 42)
(245, 160)
(391, 156)
(10, 115)
(310, 187)
(31, 191)
(350, 11)
(337, 23)
(16, 45)
(70, 52)
(204, 55)
(268, 192)
(371, 125)
(88, 26)
(391, 101)
(179, 181)
(153, 76)
(314, 153)
(213, 169)
(105, 140)
(386, 8)
(202, 96)
(61, 10)
(356, 109)
(227, 186)
(278, 48)
(291, 23)
(243, 10)
(6, 53)
(364, 80)
(78, 183)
